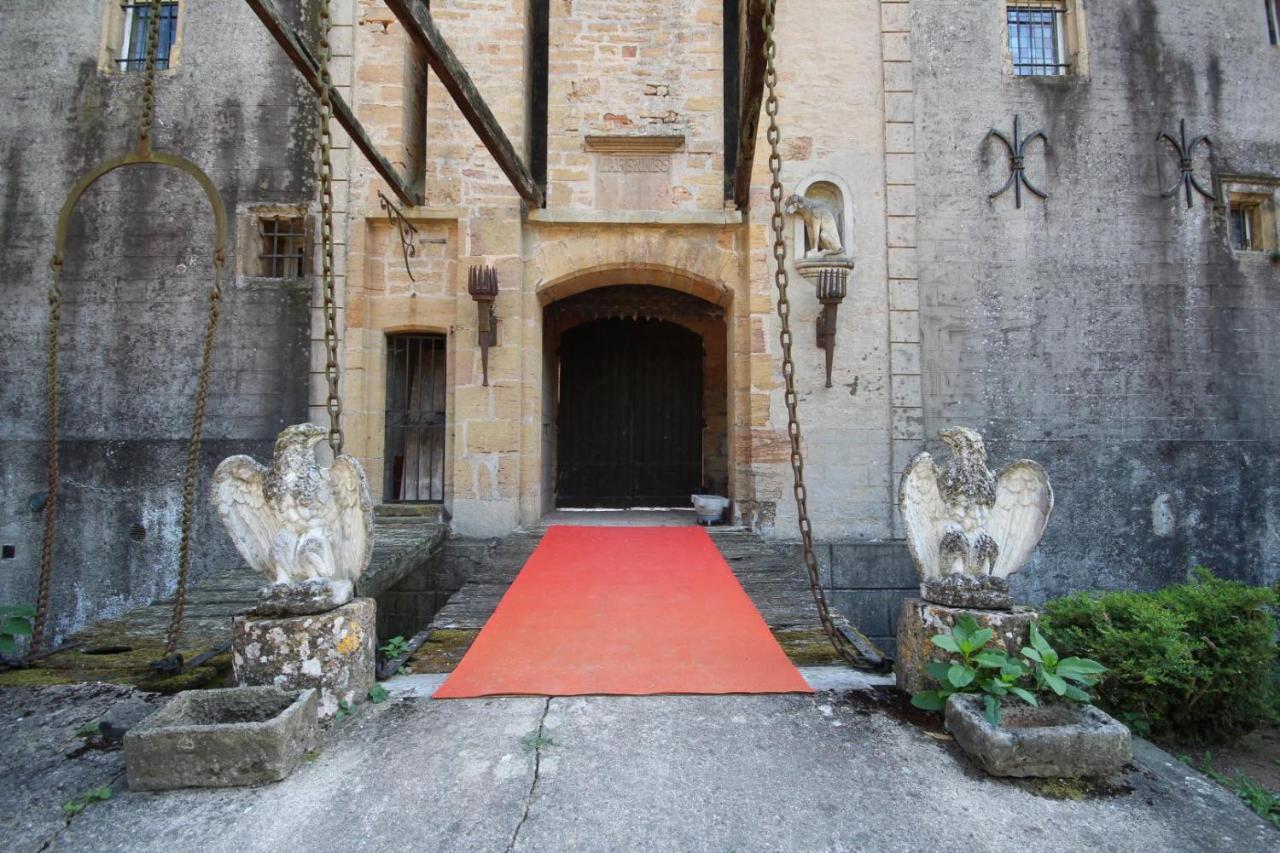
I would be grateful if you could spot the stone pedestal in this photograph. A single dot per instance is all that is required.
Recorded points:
(920, 621)
(332, 652)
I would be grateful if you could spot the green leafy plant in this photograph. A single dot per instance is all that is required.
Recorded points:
(536, 740)
(345, 709)
(89, 729)
(978, 667)
(394, 647)
(80, 802)
(378, 694)
(1057, 674)
(16, 620)
(1194, 661)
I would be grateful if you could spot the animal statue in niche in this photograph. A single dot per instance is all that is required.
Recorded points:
(296, 522)
(821, 225)
(962, 519)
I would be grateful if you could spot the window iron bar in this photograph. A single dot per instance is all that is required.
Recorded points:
(133, 49)
(1037, 39)
(284, 247)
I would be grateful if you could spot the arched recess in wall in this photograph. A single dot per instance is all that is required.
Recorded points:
(834, 191)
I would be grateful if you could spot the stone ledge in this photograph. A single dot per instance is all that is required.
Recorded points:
(421, 214)
(714, 218)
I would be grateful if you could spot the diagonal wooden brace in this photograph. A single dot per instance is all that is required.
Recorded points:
(416, 20)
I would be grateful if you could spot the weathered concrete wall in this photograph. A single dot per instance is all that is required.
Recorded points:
(1108, 332)
(135, 285)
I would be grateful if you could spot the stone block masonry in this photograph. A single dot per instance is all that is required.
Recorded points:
(332, 652)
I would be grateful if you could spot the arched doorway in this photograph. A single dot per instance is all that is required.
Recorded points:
(638, 398)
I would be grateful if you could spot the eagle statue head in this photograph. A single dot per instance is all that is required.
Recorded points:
(299, 437)
(965, 444)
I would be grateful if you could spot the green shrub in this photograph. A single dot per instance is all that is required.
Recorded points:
(1193, 660)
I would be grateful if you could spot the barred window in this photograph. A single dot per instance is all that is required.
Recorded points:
(283, 246)
(1251, 215)
(135, 21)
(1038, 38)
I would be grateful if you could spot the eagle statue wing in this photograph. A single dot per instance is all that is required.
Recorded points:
(924, 513)
(1024, 500)
(238, 496)
(353, 531)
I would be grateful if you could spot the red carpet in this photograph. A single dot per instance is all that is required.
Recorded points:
(624, 611)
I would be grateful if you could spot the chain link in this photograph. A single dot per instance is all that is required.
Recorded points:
(51, 442)
(149, 79)
(333, 402)
(839, 641)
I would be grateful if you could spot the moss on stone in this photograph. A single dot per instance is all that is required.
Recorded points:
(807, 648)
(443, 650)
(132, 666)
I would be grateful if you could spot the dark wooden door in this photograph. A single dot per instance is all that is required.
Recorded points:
(629, 429)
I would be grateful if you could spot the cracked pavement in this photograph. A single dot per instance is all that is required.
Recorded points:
(686, 773)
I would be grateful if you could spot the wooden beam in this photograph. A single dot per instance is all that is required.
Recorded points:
(298, 52)
(416, 20)
(752, 76)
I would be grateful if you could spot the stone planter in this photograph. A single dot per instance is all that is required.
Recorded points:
(1059, 739)
(221, 738)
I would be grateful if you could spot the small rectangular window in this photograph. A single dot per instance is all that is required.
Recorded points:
(133, 39)
(283, 242)
(1244, 227)
(1038, 38)
(1252, 219)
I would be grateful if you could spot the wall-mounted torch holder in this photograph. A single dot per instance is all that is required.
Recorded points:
(482, 284)
(833, 286)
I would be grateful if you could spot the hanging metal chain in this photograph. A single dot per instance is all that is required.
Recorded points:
(191, 476)
(149, 79)
(333, 403)
(845, 645)
(51, 443)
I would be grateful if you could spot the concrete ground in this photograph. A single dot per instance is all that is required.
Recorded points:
(671, 773)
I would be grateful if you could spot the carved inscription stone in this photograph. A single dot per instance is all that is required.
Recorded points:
(633, 182)
(633, 173)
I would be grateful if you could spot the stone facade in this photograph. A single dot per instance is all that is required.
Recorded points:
(1107, 332)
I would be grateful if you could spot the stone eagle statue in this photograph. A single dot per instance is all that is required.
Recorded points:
(295, 521)
(963, 519)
